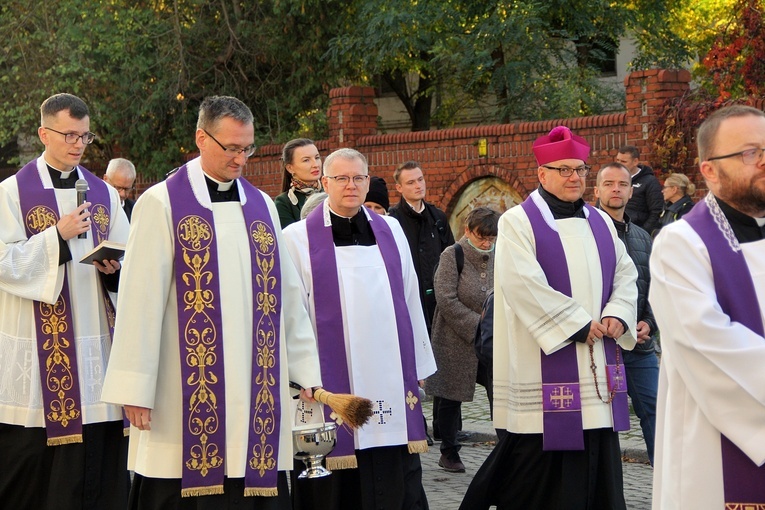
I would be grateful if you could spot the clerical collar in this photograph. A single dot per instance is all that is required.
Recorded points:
(62, 180)
(354, 231)
(222, 191)
(746, 228)
(560, 209)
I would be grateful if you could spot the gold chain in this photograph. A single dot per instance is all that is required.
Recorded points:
(594, 367)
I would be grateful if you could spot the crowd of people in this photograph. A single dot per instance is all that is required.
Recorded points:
(166, 380)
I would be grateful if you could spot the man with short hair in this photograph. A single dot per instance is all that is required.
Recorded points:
(564, 302)
(647, 202)
(360, 288)
(708, 295)
(427, 231)
(426, 228)
(613, 191)
(63, 446)
(120, 173)
(210, 330)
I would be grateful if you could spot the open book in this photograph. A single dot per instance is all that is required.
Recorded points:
(108, 250)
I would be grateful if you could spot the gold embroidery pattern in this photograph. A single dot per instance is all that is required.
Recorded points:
(40, 217)
(101, 218)
(411, 400)
(561, 397)
(744, 506)
(264, 420)
(58, 367)
(196, 235)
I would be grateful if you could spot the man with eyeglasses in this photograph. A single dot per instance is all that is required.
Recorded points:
(708, 295)
(360, 287)
(63, 446)
(120, 173)
(211, 328)
(564, 297)
(647, 202)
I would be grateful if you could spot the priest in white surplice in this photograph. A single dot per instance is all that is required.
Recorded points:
(210, 330)
(361, 290)
(564, 290)
(708, 295)
(55, 326)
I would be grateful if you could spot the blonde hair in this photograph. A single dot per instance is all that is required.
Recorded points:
(682, 182)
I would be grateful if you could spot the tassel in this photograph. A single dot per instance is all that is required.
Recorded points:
(418, 446)
(57, 441)
(201, 491)
(344, 462)
(267, 492)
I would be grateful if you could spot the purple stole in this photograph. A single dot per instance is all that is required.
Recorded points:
(331, 339)
(561, 401)
(200, 331)
(54, 325)
(743, 480)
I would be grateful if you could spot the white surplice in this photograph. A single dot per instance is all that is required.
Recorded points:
(711, 379)
(29, 271)
(529, 315)
(145, 367)
(369, 327)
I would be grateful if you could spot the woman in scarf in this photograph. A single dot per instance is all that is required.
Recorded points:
(301, 178)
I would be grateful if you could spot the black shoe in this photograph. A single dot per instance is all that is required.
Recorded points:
(452, 466)
(429, 439)
(463, 436)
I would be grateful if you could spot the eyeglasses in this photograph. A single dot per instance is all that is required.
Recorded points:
(749, 156)
(343, 180)
(565, 171)
(480, 239)
(71, 138)
(124, 190)
(232, 151)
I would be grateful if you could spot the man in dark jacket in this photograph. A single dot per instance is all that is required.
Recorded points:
(426, 228)
(647, 202)
(641, 364)
(428, 233)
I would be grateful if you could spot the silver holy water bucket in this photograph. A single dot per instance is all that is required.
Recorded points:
(312, 443)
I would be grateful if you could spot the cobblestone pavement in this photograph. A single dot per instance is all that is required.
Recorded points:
(445, 490)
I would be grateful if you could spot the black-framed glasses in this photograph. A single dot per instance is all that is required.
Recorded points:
(123, 189)
(71, 138)
(748, 156)
(343, 180)
(232, 151)
(566, 171)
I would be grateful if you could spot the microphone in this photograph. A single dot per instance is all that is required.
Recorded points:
(82, 195)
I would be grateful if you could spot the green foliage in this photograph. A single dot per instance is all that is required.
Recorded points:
(144, 66)
(732, 71)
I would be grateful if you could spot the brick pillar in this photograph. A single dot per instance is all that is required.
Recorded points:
(352, 114)
(646, 93)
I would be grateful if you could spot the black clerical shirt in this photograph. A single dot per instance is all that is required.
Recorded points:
(744, 226)
(354, 231)
(218, 195)
(560, 209)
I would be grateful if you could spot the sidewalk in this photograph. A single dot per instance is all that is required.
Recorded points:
(445, 490)
(476, 421)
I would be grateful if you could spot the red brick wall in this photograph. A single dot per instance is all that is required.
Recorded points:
(449, 157)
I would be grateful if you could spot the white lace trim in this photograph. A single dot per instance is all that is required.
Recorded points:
(722, 222)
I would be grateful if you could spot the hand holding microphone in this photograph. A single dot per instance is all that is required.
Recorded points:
(77, 222)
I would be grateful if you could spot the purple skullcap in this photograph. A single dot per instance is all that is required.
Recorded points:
(560, 144)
